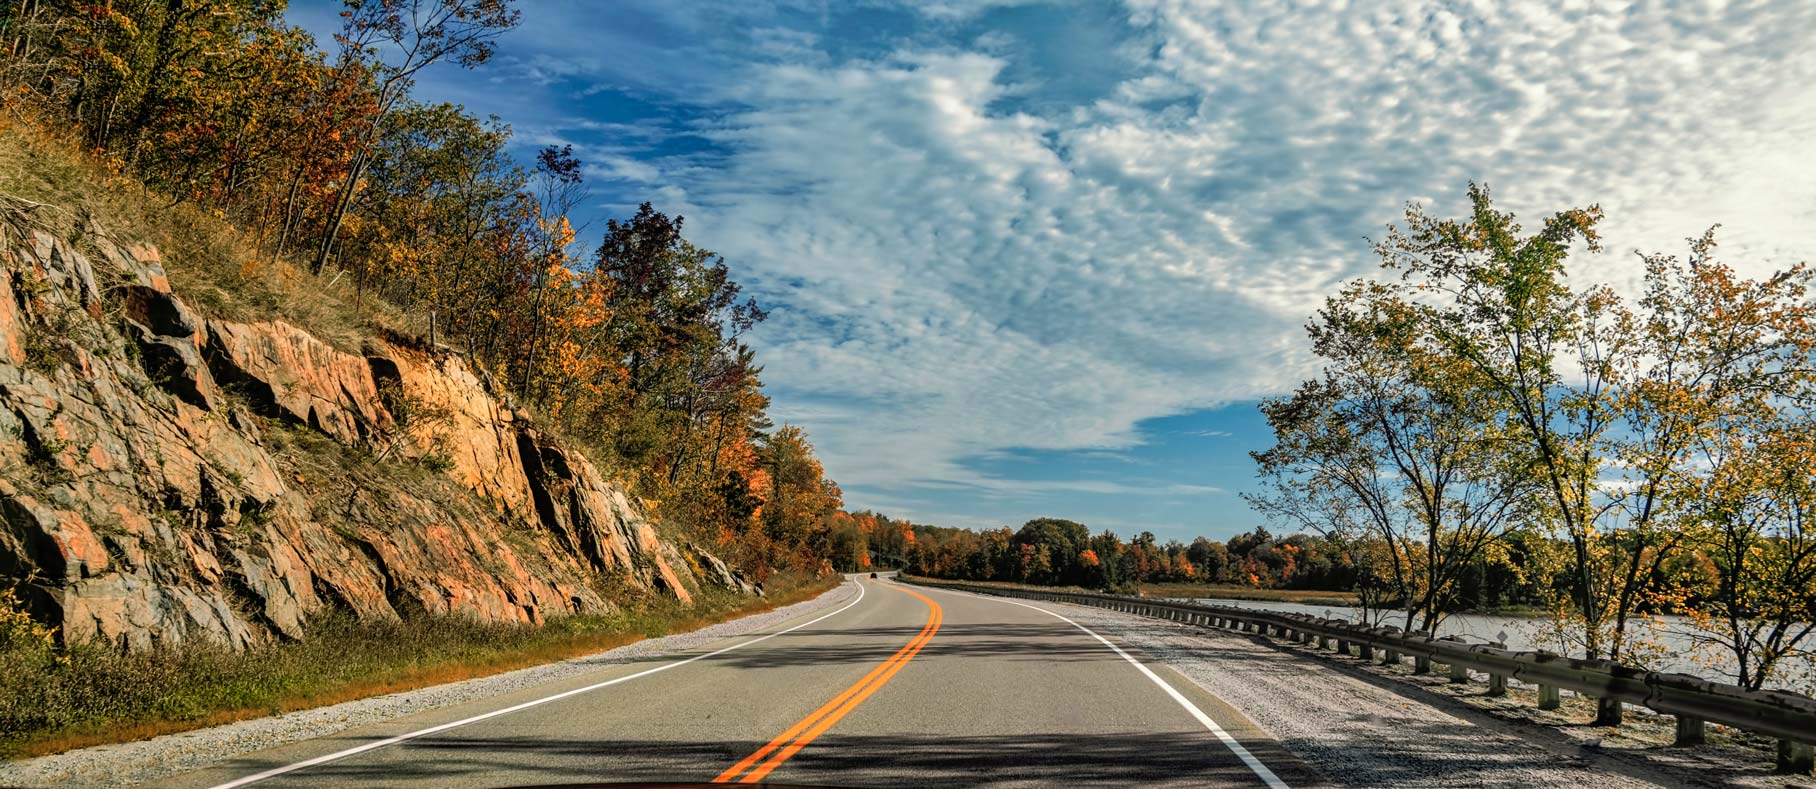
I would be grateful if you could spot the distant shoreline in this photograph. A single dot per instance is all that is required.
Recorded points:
(1303, 597)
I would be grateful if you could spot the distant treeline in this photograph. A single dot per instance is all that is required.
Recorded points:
(1058, 552)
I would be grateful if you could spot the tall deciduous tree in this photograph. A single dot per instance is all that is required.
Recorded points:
(1754, 523)
(1395, 441)
(391, 41)
(1607, 401)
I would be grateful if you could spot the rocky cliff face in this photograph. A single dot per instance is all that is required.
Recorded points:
(165, 477)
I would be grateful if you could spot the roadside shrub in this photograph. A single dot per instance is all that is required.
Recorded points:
(28, 657)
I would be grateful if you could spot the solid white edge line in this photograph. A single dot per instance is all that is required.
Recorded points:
(1260, 770)
(376, 744)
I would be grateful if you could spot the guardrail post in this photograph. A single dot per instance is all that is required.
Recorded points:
(1459, 673)
(1342, 647)
(1421, 664)
(1548, 698)
(1689, 731)
(1497, 683)
(1392, 658)
(1796, 757)
(1368, 651)
(1607, 712)
(1323, 641)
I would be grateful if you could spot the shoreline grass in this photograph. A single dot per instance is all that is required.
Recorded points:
(55, 700)
(1234, 592)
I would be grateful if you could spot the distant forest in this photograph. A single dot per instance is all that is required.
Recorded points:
(1058, 552)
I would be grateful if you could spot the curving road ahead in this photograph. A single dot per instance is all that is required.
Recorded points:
(899, 686)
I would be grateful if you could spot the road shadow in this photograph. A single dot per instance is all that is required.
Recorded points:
(1128, 759)
(1058, 641)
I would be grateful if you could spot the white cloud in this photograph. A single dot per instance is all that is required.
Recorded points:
(956, 274)
(961, 277)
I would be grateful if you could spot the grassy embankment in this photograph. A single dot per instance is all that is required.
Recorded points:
(53, 700)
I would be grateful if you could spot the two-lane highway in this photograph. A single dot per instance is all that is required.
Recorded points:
(897, 686)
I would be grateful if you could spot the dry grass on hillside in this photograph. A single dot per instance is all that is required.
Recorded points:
(214, 267)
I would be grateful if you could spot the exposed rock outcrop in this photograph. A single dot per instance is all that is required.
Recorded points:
(163, 477)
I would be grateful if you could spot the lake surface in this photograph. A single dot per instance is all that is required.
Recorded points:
(1519, 633)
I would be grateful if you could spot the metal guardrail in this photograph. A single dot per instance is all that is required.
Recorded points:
(1789, 717)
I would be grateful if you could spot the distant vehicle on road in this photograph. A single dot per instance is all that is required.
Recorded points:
(873, 575)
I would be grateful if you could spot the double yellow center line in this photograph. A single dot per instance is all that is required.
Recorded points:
(790, 742)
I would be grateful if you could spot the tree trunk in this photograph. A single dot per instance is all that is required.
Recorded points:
(342, 202)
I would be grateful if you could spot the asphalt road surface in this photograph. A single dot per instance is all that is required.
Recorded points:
(903, 686)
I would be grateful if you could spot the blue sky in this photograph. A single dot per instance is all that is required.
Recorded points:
(1041, 257)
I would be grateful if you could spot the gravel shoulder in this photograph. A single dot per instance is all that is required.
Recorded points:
(1364, 724)
(131, 763)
